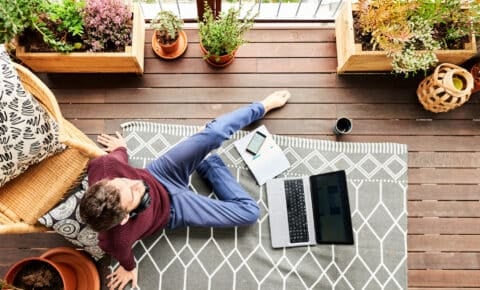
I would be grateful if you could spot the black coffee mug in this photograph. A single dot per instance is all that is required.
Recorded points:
(343, 126)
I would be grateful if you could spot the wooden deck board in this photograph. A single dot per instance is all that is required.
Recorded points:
(444, 151)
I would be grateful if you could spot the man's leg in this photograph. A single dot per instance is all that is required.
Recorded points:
(174, 168)
(235, 207)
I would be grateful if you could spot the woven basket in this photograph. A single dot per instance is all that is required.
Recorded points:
(27, 197)
(437, 92)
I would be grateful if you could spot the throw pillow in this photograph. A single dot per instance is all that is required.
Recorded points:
(28, 134)
(65, 220)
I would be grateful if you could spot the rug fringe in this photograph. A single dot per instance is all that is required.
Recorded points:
(285, 141)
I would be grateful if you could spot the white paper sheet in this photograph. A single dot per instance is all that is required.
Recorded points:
(270, 160)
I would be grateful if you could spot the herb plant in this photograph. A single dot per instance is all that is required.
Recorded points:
(67, 17)
(20, 17)
(167, 25)
(223, 35)
(410, 31)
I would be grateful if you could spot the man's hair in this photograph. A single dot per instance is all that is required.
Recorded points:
(100, 207)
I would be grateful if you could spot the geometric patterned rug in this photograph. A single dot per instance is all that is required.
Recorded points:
(242, 258)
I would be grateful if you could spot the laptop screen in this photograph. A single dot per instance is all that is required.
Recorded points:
(331, 208)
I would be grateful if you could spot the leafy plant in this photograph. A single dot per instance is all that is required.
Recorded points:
(64, 25)
(167, 25)
(108, 25)
(21, 16)
(67, 16)
(410, 31)
(223, 35)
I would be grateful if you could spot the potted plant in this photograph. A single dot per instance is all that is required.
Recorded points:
(169, 41)
(75, 36)
(40, 273)
(405, 36)
(221, 37)
(58, 268)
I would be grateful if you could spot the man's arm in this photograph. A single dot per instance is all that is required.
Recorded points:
(115, 145)
(111, 142)
(118, 245)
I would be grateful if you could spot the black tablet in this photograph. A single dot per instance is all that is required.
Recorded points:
(331, 208)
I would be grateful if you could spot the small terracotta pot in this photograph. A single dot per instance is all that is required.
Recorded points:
(66, 273)
(219, 61)
(475, 71)
(173, 50)
(169, 48)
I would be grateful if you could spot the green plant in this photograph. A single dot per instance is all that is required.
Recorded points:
(66, 25)
(223, 35)
(20, 16)
(68, 18)
(167, 26)
(410, 31)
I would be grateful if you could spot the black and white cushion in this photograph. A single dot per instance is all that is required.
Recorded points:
(65, 220)
(28, 134)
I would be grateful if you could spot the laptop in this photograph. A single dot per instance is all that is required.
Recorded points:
(309, 210)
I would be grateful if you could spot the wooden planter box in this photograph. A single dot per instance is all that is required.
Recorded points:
(351, 57)
(130, 61)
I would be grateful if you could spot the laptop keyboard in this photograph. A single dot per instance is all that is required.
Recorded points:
(296, 210)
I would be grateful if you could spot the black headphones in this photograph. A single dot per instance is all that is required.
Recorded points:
(144, 202)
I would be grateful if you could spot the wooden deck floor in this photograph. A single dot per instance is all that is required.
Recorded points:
(444, 151)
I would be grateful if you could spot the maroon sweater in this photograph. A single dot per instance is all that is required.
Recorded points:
(118, 241)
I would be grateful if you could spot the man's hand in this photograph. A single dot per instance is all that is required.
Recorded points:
(120, 278)
(110, 142)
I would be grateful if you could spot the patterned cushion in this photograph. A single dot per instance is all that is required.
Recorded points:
(28, 134)
(65, 220)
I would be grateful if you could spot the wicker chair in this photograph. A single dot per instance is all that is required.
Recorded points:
(27, 197)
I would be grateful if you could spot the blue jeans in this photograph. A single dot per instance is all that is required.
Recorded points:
(234, 206)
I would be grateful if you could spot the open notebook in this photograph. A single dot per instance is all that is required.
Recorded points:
(270, 160)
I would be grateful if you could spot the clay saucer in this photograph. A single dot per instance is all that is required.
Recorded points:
(84, 268)
(182, 47)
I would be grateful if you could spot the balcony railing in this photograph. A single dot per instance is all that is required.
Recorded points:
(268, 10)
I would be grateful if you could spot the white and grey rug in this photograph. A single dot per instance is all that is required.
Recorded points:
(242, 258)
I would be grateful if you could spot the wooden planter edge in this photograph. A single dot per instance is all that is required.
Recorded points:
(351, 57)
(130, 61)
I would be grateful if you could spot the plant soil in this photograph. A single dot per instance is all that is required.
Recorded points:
(439, 32)
(33, 42)
(360, 37)
(38, 275)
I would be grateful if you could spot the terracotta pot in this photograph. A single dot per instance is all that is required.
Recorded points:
(475, 71)
(66, 273)
(167, 48)
(83, 267)
(219, 61)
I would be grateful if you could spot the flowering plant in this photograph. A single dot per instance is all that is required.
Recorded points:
(108, 25)
(66, 25)
(410, 31)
